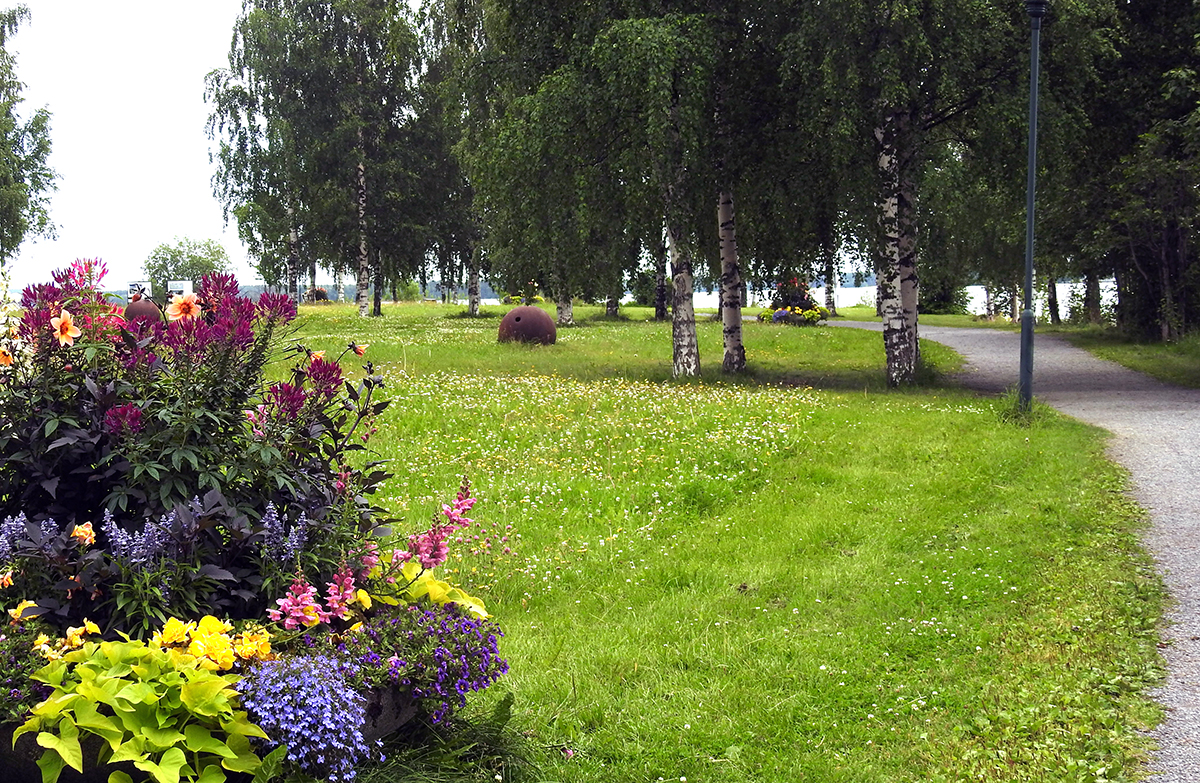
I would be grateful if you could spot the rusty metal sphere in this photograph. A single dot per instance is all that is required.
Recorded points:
(143, 309)
(528, 324)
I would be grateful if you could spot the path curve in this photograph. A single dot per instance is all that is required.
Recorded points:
(1156, 430)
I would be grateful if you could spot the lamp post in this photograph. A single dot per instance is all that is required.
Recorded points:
(1036, 10)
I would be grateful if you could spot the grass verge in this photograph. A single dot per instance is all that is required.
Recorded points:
(753, 579)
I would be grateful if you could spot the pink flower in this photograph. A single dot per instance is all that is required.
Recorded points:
(299, 607)
(340, 594)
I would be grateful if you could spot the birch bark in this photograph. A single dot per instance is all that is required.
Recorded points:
(898, 284)
(731, 287)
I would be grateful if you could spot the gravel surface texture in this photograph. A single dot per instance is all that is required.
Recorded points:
(1156, 430)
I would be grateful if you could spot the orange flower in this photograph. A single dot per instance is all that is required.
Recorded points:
(6, 578)
(6, 357)
(359, 349)
(84, 534)
(314, 355)
(64, 328)
(184, 306)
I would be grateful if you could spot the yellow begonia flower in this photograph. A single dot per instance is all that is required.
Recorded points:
(212, 647)
(174, 632)
(17, 612)
(211, 625)
(90, 627)
(84, 534)
(253, 646)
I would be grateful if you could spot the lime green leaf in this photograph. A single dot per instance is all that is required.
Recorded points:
(167, 768)
(89, 718)
(204, 697)
(200, 739)
(51, 765)
(160, 737)
(133, 749)
(33, 724)
(138, 693)
(119, 777)
(211, 774)
(65, 744)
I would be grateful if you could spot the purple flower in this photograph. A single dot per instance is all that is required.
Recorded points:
(123, 420)
(325, 379)
(306, 704)
(276, 307)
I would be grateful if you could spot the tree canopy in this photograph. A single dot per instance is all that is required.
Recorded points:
(26, 179)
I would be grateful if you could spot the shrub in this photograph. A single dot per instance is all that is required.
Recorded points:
(148, 470)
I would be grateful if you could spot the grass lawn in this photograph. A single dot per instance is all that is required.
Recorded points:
(793, 575)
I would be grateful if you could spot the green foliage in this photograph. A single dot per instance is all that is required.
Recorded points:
(154, 707)
(187, 259)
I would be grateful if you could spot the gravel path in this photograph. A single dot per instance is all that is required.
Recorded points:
(1156, 430)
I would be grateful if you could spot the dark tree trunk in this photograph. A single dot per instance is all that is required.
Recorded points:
(1052, 302)
(1091, 298)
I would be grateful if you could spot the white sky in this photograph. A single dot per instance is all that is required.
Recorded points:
(124, 82)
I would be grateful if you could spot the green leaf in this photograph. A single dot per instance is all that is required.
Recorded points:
(211, 774)
(200, 739)
(118, 776)
(51, 765)
(65, 743)
(167, 768)
(160, 738)
(132, 750)
(272, 765)
(138, 693)
(204, 697)
(87, 717)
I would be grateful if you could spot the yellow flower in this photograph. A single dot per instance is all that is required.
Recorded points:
(363, 598)
(16, 614)
(213, 647)
(90, 627)
(210, 625)
(74, 637)
(174, 632)
(42, 639)
(183, 307)
(64, 328)
(253, 646)
(84, 534)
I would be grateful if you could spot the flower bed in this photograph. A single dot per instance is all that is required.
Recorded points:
(166, 518)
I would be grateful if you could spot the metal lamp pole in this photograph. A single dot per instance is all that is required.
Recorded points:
(1036, 10)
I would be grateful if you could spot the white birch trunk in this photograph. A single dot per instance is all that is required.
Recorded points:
(339, 285)
(564, 306)
(473, 281)
(363, 280)
(897, 264)
(685, 347)
(734, 359)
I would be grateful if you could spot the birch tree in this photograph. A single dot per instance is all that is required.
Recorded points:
(305, 117)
